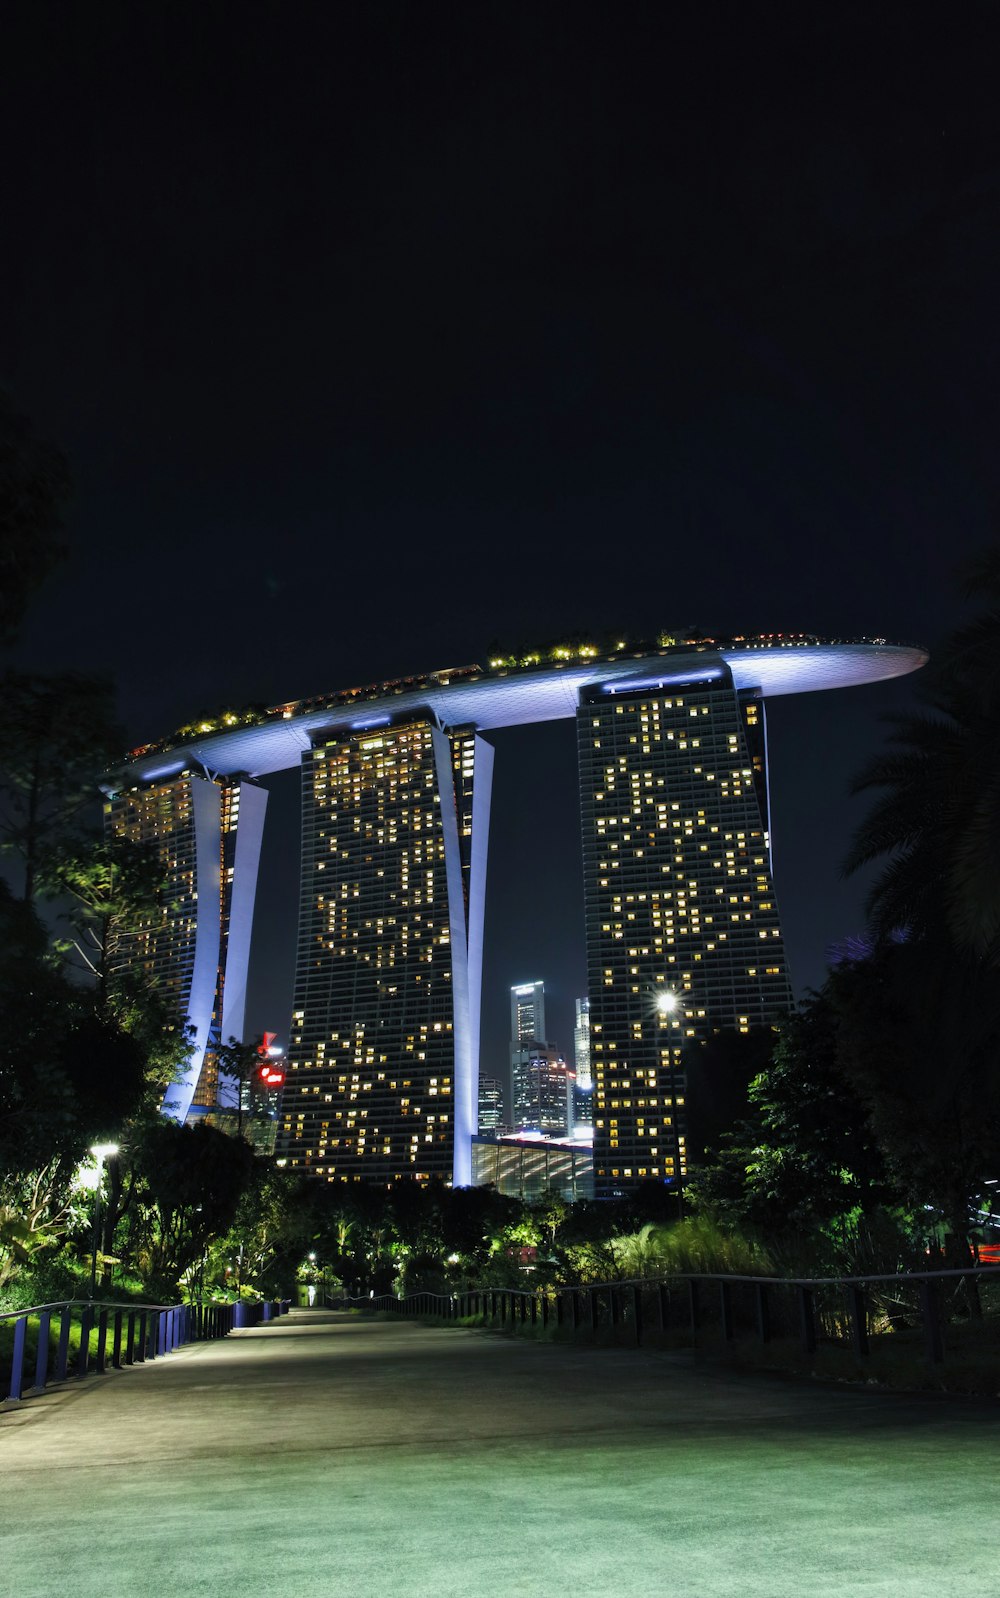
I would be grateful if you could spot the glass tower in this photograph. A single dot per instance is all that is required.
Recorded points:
(542, 1090)
(682, 929)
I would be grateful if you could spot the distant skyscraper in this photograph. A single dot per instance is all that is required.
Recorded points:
(682, 925)
(491, 1119)
(382, 1062)
(527, 1014)
(581, 1044)
(541, 1090)
(534, 1089)
(582, 1095)
(195, 945)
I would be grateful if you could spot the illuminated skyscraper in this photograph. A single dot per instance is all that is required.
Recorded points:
(527, 1014)
(195, 945)
(382, 1064)
(533, 1089)
(583, 1086)
(683, 937)
(542, 1087)
(491, 1119)
(581, 1043)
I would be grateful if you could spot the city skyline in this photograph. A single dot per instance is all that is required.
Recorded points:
(384, 1051)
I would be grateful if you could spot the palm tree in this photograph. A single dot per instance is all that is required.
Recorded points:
(936, 824)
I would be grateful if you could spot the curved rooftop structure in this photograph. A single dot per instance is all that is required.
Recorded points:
(508, 694)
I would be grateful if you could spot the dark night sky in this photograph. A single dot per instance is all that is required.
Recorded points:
(379, 332)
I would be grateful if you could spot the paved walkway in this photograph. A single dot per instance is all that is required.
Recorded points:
(328, 1456)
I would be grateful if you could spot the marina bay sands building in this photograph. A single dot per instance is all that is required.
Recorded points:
(682, 929)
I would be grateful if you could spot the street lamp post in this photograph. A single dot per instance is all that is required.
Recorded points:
(101, 1152)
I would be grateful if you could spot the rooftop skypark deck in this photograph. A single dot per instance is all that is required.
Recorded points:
(514, 690)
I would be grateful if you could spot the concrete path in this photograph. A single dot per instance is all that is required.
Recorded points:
(328, 1456)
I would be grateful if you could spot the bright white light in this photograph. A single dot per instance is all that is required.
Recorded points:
(666, 1002)
(103, 1151)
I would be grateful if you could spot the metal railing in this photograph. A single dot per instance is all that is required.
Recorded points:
(114, 1334)
(847, 1310)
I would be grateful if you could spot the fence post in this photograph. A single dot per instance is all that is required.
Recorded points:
(62, 1353)
(763, 1313)
(933, 1340)
(545, 1307)
(42, 1351)
(859, 1321)
(86, 1325)
(116, 1345)
(726, 1310)
(615, 1307)
(534, 1309)
(102, 1341)
(807, 1320)
(595, 1312)
(575, 1299)
(694, 1306)
(637, 1313)
(663, 1304)
(17, 1361)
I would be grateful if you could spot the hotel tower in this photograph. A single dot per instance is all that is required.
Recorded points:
(383, 1058)
(683, 936)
